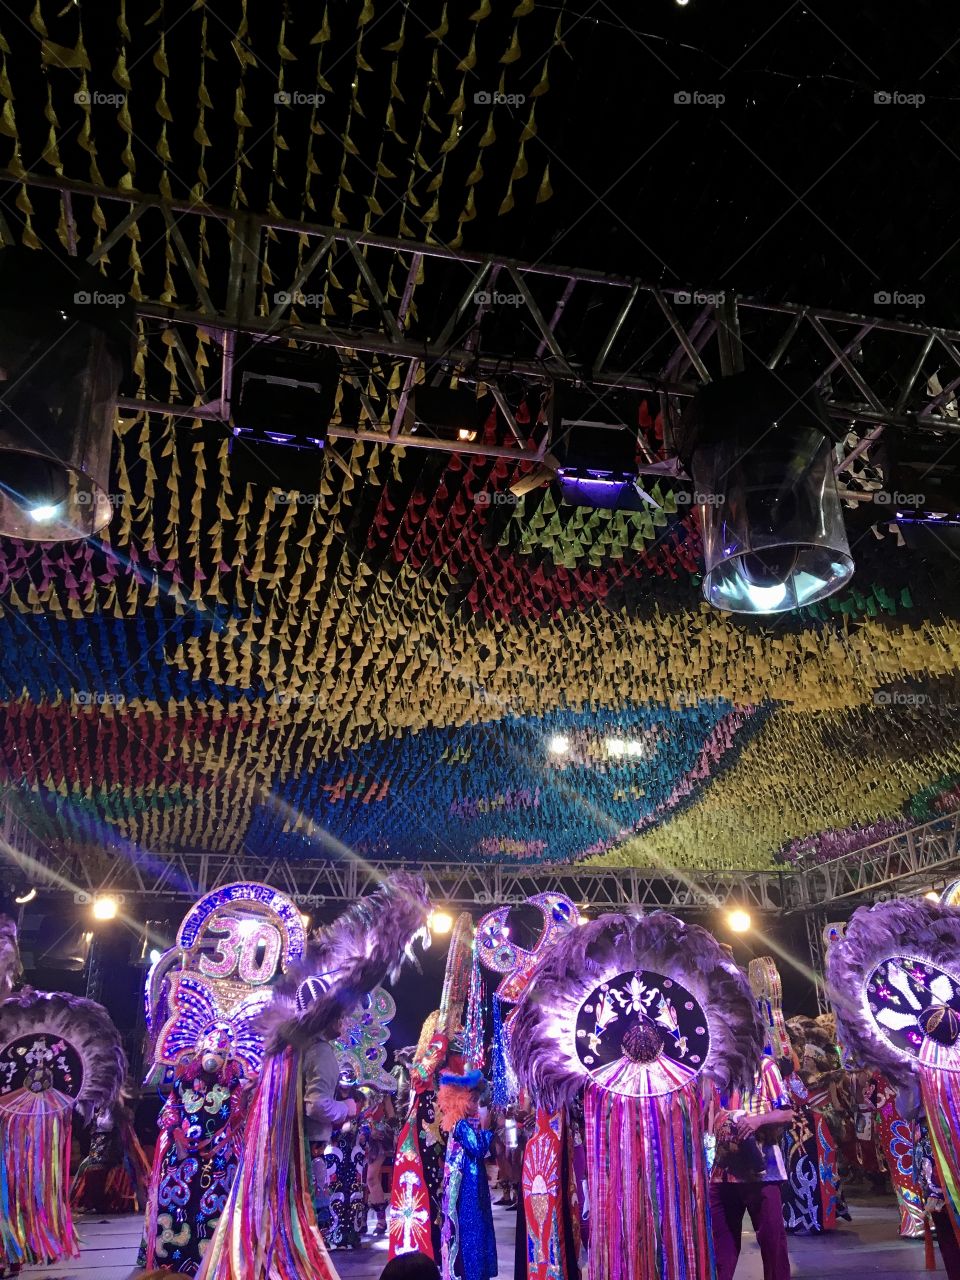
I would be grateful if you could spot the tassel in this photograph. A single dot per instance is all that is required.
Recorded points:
(941, 1102)
(268, 1226)
(649, 1214)
(36, 1225)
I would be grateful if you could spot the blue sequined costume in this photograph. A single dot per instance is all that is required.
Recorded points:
(469, 1243)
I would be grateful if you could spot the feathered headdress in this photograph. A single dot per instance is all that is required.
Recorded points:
(94, 1080)
(894, 979)
(896, 959)
(9, 956)
(345, 961)
(633, 1009)
(703, 1012)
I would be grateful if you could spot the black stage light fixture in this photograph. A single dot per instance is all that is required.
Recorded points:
(444, 413)
(759, 451)
(65, 344)
(285, 395)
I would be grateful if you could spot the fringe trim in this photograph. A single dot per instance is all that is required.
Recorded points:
(36, 1225)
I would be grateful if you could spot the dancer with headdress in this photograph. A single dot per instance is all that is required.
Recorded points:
(637, 1011)
(60, 1055)
(812, 1198)
(269, 1227)
(416, 1196)
(469, 1245)
(204, 998)
(113, 1175)
(894, 979)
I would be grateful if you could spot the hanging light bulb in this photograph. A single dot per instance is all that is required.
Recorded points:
(64, 346)
(761, 460)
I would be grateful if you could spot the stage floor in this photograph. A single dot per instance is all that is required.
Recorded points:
(868, 1244)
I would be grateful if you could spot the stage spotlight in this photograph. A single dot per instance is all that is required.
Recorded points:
(558, 745)
(931, 896)
(26, 897)
(304, 919)
(440, 921)
(155, 955)
(738, 921)
(64, 346)
(105, 908)
(760, 455)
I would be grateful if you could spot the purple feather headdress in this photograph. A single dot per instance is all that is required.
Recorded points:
(346, 961)
(544, 1033)
(882, 1027)
(85, 1026)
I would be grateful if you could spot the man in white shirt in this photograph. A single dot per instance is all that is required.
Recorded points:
(324, 1111)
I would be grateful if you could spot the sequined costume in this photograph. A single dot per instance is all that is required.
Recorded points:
(269, 1228)
(346, 1179)
(469, 1246)
(194, 1165)
(204, 999)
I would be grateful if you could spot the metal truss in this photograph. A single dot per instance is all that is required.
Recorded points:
(906, 863)
(421, 312)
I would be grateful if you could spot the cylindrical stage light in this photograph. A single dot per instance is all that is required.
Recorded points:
(773, 531)
(65, 341)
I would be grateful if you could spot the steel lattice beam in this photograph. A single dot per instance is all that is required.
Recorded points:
(874, 371)
(903, 863)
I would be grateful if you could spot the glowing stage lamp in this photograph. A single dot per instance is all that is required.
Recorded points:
(932, 896)
(440, 921)
(26, 897)
(760, 455)
(65, 343)
(738, 921)
(155, 955)
(105, 908)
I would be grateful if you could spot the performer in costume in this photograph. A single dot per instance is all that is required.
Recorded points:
(635, 1010)
(812, 1199)
(416, 1203)
(894, 980)
(540, 1170)
(113, 1176)
(362, 1055)
(59, 1055)
(469, 1246)
(209, 990)
(378, 1125)
(268, 1227)
(346, 1162)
